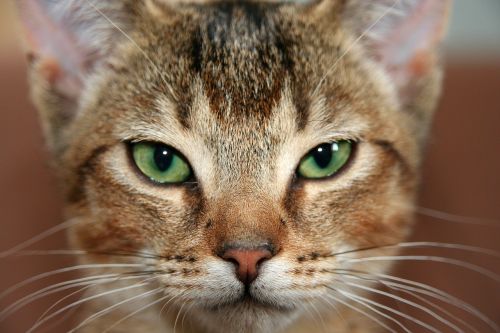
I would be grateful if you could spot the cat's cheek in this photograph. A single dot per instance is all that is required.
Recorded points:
(123, 211)
(213, 285)
(278, 284)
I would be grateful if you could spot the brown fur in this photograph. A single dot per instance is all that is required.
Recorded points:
(233, 87)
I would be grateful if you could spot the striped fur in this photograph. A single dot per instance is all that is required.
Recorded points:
(243, 90)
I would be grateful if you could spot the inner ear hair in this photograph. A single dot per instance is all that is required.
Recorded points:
(405, 39)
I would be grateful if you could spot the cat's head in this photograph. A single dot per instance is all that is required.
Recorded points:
(244, 144)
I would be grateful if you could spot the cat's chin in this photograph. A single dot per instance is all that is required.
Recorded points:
(247, 315)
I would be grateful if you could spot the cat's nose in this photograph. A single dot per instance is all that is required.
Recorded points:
(247, 261)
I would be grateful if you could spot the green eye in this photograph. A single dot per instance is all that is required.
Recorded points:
(160, 163)
(325, 160)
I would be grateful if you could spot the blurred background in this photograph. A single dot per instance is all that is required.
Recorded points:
(461, 175)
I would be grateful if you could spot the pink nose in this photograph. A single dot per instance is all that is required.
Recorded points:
(247, 262)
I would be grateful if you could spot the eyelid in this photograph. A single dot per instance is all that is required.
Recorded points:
(143, 138)
(335, 137)
(341, 136)
(131, 142)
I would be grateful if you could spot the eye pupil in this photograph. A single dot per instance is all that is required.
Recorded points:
(163, 158)
(323, 155)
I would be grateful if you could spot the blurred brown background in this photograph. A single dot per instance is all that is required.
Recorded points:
(461, 173)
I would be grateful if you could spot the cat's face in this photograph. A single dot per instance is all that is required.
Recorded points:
(241, 95)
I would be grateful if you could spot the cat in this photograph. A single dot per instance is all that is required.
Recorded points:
(232, 165)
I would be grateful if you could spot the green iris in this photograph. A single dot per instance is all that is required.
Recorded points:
(325, 160)
(160, 163)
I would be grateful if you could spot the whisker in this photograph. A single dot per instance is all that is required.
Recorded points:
(185, 313)
(450, 261)
(179, 313)
(427, 290)
(324, 298)
(386, 12)
(60, 287)
(380, 313)
(435, 306)
(170, 300)
(387, 308)
(54, 305)
(127, 36)
(85, 252)
(352, 307)
(64, 270)
(135, 312)
(461, 247)
(319, 315)
(448, 217)
(120, 277)
(407, 302)
(112, 307)
(86, 299)
(306, 309)
(40, 237)
(50, 328)
(67, 284)
(453, 246)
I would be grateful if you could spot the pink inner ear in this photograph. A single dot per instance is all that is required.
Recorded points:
(420, 31)
(406, 50)
(62, 61)
(52, 72)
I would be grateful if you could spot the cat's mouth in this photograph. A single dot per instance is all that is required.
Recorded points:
(250, 302)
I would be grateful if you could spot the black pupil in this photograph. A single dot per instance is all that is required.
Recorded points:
(323, 155)
(163, 158)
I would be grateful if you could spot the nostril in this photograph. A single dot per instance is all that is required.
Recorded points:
(232, 260)
(247, 261)
(261, 260)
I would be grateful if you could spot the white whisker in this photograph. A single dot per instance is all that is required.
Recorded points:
(179, 313)
(164, 306)
(109, 280)
(382, 314)
(334, 307)
(83, 253)
(128, 37)
(449, 261)
(433, 305)
(368, 315)
(65, 270)
(59, 301)
(185, 313)
(81, 301)
(49, 252)
(387, 308)
(451, 246)
(386, 12)
(14, 307)
(306, 309)
(100, 12)
(50, 328)
(318, 313)
(112, 307)
(40, 237)
(407, 302)
(426, 290)
(135, 312)
(444, 216)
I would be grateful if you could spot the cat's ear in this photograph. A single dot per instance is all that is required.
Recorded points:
(401, 35)
(68, 39)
